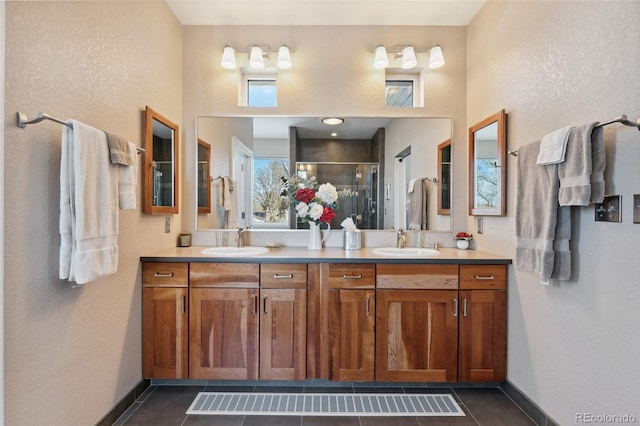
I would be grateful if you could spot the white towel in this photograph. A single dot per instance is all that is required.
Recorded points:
(88, 205)
(411, 185)
(415, 203)
(575, 172)
(128, 179)
(543, 228)
(598, 163)
(553, 146)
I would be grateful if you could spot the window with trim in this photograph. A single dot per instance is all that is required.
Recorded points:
(268, 206)
(259, 91)
(403, 90)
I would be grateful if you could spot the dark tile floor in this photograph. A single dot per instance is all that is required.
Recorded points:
(165, 405)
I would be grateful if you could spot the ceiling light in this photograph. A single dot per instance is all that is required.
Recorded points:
(332, 121)
(436, 60)
(409, 58)
(381, 60)
(228, 58)
(334, 134)
(284, 57)
(256, 59)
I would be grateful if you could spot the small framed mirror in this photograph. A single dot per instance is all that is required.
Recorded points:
(160, 174)
(488, 166)
(204, 177)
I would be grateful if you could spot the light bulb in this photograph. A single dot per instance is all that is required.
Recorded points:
(380, 60)
(284, 57)
(228, 58)
(409, 58)
(436, 60)
(256, 60)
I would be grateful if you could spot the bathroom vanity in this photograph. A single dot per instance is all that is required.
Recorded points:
(295, 314)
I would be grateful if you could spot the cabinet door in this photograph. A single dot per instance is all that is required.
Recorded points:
(351, 335)
(164, 333)
(482, 335)
(416, 335)
(283, 334)
(223, 333)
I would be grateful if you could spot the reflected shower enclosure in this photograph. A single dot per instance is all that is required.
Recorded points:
(357, 185)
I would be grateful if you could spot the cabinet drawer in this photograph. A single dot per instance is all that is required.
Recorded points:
(416, 276)
(236, 275)
(283, 275)
(486, 277)
(352, 275)
(165, 274)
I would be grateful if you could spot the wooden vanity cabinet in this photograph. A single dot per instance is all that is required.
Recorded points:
(352, 322)
(483, 320)
(416, 323)
(165, 320)
(248, 321)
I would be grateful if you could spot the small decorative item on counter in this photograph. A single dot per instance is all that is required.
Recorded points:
(184, 240)
(314, 206)
(462, 240)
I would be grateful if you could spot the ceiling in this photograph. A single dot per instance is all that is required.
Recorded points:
(325, 12)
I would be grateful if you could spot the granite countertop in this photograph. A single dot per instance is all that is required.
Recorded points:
(328, 254)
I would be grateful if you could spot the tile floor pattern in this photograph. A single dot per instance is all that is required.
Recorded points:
(165, 405)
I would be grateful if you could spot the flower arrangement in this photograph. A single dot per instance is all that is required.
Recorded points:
(463, 236)
(312, 205)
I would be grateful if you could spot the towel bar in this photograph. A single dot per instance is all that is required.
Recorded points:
(23, 121)
(621, 119)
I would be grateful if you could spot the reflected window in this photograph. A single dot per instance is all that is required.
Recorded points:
(399, 93)
(269, 208)
(261, 92)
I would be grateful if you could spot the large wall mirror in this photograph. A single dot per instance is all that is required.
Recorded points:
(487, 166)
(160, 173)
(370, 161)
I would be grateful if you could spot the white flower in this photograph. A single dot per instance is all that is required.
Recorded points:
(302, 209)
(315, 211)
(327, 193)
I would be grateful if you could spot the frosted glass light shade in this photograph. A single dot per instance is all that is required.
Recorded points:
(228, 58)
(284, 57)
(409, 58)
(436, 60)
(256, 60)
(380, 60)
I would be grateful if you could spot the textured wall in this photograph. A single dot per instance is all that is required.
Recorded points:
(332, 74)
(573, 347)
(71, 354)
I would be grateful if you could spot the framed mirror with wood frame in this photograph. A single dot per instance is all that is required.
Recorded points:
(488, 166)
(160, 173)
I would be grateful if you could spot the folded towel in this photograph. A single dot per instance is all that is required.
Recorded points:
(537, 216)
(415, 206)
(553, 146)
(598, 163)
(127, 180)
(119, 150)
(88, 205)
(575, 172)
(411, 185)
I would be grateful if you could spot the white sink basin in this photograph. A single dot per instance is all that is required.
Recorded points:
(405, 252)
(235, 251)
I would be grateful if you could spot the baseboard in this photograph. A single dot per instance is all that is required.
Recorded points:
(124, 403)
(536, 413)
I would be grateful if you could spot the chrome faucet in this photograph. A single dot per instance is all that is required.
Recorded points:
(436, 246)
(401, 241)
(240, 237)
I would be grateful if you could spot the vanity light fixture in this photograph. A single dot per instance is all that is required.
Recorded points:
(256, 59)
(407, 56)
(436, 60)
(381, 60)
(228, 58)
(257, 55)
(332, 121)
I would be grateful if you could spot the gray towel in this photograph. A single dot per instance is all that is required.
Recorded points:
(543, 228)
(575, 171)
(119, 150)
(598, 163)
(414, 205)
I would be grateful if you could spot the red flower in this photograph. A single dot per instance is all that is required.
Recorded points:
(327, 214)
(305, 195)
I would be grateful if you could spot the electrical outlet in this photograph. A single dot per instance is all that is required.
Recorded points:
(167, 224)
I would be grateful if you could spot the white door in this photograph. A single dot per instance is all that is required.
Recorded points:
(241, 175)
